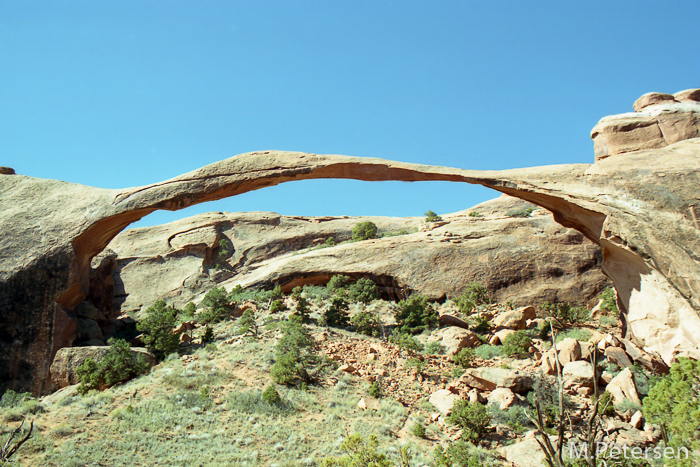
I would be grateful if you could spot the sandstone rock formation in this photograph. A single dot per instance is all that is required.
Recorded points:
(640, 209)
(523, 260)
(657, 121)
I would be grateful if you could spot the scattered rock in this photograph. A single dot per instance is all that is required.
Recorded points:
(443, 400)
(578, 373)
(637, 420)
(454, 339)
(514, 319)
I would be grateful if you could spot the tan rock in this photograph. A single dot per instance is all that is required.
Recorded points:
(637, 420)
(618, 356)
(455, 339)
(569, 350)
(502, 334)
(504, 397)
(514, 319)
(689, 95)
(653, 98)
(443, 400)
(489, 378)
(622, 387)
(346, 368)
(368, 403)
(578, 373)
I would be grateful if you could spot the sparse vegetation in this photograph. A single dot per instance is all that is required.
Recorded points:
(430, 216)
(609, 304)
(474, 295)
(475, 214)
(277, 306)
(565, 312)
(465, 357)
(525, 212)
(367, 322)
(247, 324)
(216, 306)
(337, 313)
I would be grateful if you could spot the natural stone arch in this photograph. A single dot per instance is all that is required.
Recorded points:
(46, 246)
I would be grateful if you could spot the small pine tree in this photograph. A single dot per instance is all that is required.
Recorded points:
(157, 328)
(119, 364)
(364, 290)
(415, 315)
(217, 306)
(277, 306)
(367, 322)
(302, 307)
(517, 344)
(294, 354)
(337, 312)
(271, 396)
(474, 295)
(247, 324)
(472, 417)
(430, 216)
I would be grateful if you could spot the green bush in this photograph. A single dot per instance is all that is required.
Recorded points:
(405, 341)
(337, 283)
(364, 231)
(513, 417)
(329, 242)
(368, 323)
(475, 214)
(487, 352)
(474, 295)
(472, 417)
(208, 335)
(565, 312)
(118, 365)
(479, 324)
(464, 358)
(544, 330)
(461, 454)
(674, 402)
(358, 453)
(277, 306)
(605, 404)
(418, 430)
(271, 396)
(609, 304)
(337, 313)
(302, 307)
(12, 399)
(517, 344)
(433, 348)
(157, 328)
(375, 391)
(217, 306)
(548, 396)
(525, 212)
(415, 315)
(364, 290)
(430, 216)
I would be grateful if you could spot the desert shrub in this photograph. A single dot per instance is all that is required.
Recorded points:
(525, 212)
(517, 344)
(157, 328)
(364, 231)
(415, 315)
(375, 391)
(609, 304)
(418, 430)
(479, 324)
(461, 454)
(337, 313)
(294, 354)
(544, 330)
(271, 396)
(301, 309)
(605, 404)
(329, 242)
(472, 417)
(575, 333)
(208, 335)
(430, 216)
(475, 214)
(433, 348)
(368, 323)
(565, 312)
(119, 364)
(216, 306)
(405, 341)
(465, 357)
(188, 312)
(337, 283)
(252, 402)
(513, 417)
(12, 399)
(277, 306)
(364, 290)
(317, 293)
(247, 324)
(674, 403)
(547, 393)
(358, 453)
(487, 352)
(474, 295)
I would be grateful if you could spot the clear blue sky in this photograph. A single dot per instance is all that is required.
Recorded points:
(126, 93)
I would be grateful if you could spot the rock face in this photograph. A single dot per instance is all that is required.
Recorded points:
(641, 209)
(659, 120)
(523, 260)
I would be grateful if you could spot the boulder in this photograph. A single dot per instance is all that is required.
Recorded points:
(689, 95)
(622, 387)
(618, 356)
(578, 373)
(68, 359)
(527, 453)
(443, 400)
(652, 98)
(569, 351)
(504, 397)
(489, 378)
(514, 319)
(7, 171)
(454, 339)
(368, 403)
